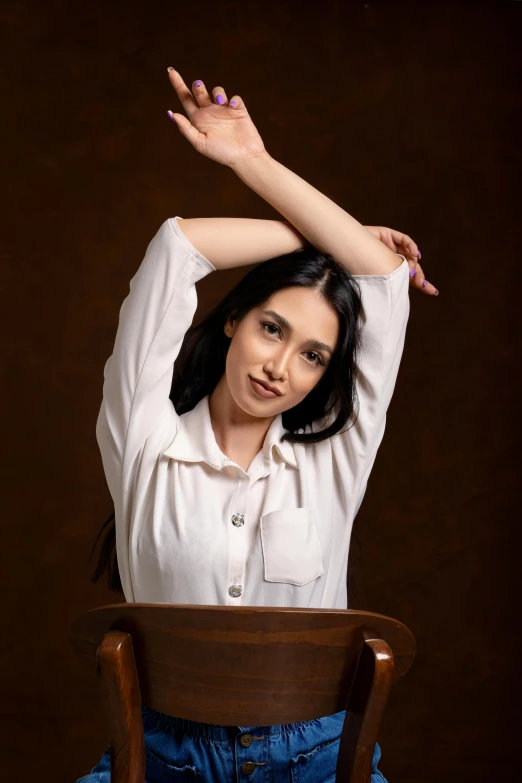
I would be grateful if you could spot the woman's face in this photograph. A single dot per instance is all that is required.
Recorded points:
(286, 342)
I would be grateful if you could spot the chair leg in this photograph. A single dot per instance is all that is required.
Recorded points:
(121, 699)
(364, 710)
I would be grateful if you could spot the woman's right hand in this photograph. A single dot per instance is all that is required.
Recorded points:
(223, 132)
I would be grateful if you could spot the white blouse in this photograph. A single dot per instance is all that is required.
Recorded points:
(192, 527)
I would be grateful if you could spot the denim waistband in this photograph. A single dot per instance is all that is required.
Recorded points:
(209, 731)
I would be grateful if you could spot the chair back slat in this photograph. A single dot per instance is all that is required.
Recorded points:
(247, 665)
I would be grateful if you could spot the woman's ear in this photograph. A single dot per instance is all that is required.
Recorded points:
(230, 326)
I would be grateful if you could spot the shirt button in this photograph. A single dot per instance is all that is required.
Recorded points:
(235, 591)
(246, 740)
(238, 519)
(248, 767)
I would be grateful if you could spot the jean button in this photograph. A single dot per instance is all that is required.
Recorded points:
(246, 740)
(238, 519)
(235, 591)
(248, 767)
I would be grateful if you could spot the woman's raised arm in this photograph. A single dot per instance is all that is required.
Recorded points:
(153, 319)
(225, 133)
(229, 242)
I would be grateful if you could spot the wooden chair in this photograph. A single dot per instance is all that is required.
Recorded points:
(246, 666)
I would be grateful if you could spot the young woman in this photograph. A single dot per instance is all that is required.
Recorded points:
(237, 477)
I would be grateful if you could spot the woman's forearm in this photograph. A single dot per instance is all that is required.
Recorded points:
(230, 242)
(318, 219)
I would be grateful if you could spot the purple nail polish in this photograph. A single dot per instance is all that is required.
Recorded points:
(436, 292)
(198, 83)
(412, 272)
(171, 116)
(419, 253)
(220, 99)
(233, 103)
(425, 283)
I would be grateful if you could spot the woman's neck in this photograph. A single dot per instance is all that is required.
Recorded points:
(239, 435)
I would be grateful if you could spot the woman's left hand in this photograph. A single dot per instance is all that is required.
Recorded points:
(403, 244)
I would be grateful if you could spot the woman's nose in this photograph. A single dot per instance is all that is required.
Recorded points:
(278, 366)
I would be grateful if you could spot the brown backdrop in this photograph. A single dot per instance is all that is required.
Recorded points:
(404, 114)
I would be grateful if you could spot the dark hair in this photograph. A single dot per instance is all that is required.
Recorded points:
(201, 361)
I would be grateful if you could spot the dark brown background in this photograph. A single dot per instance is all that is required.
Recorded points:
(407, 115)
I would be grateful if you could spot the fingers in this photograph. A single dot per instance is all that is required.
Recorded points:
(200, 95)
(417, 280)
(410, 247)
(187, 99)
(220, 95)
(236, 102)
(406, 245)
(203, 98)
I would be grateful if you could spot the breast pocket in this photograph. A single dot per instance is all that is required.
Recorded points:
(291, 547)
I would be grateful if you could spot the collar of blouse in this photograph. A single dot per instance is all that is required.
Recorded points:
(195, 440)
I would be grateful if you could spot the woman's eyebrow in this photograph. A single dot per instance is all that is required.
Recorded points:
(288, 326)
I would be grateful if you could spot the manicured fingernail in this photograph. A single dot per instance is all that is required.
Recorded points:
(171, 116)
(425, 283)
(436, 292)
(220, 99)
(412, 272)
(419, 253)
(232, 103)
(198, 83)
(170, 68)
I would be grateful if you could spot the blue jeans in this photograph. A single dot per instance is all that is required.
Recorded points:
(183, 750)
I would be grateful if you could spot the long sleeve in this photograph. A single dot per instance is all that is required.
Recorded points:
(386, 307)
(153, 321)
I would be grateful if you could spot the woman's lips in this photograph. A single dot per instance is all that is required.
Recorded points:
(261, 389)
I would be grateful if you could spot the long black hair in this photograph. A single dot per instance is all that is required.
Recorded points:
(201, 361)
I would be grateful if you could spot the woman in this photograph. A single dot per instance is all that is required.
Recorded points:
(237, 479)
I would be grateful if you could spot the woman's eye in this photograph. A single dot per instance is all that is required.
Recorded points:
(267, 325)
(273, 326)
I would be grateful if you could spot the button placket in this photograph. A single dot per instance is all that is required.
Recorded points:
(237, 539)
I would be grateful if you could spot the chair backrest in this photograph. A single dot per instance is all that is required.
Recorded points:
(251, 666)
